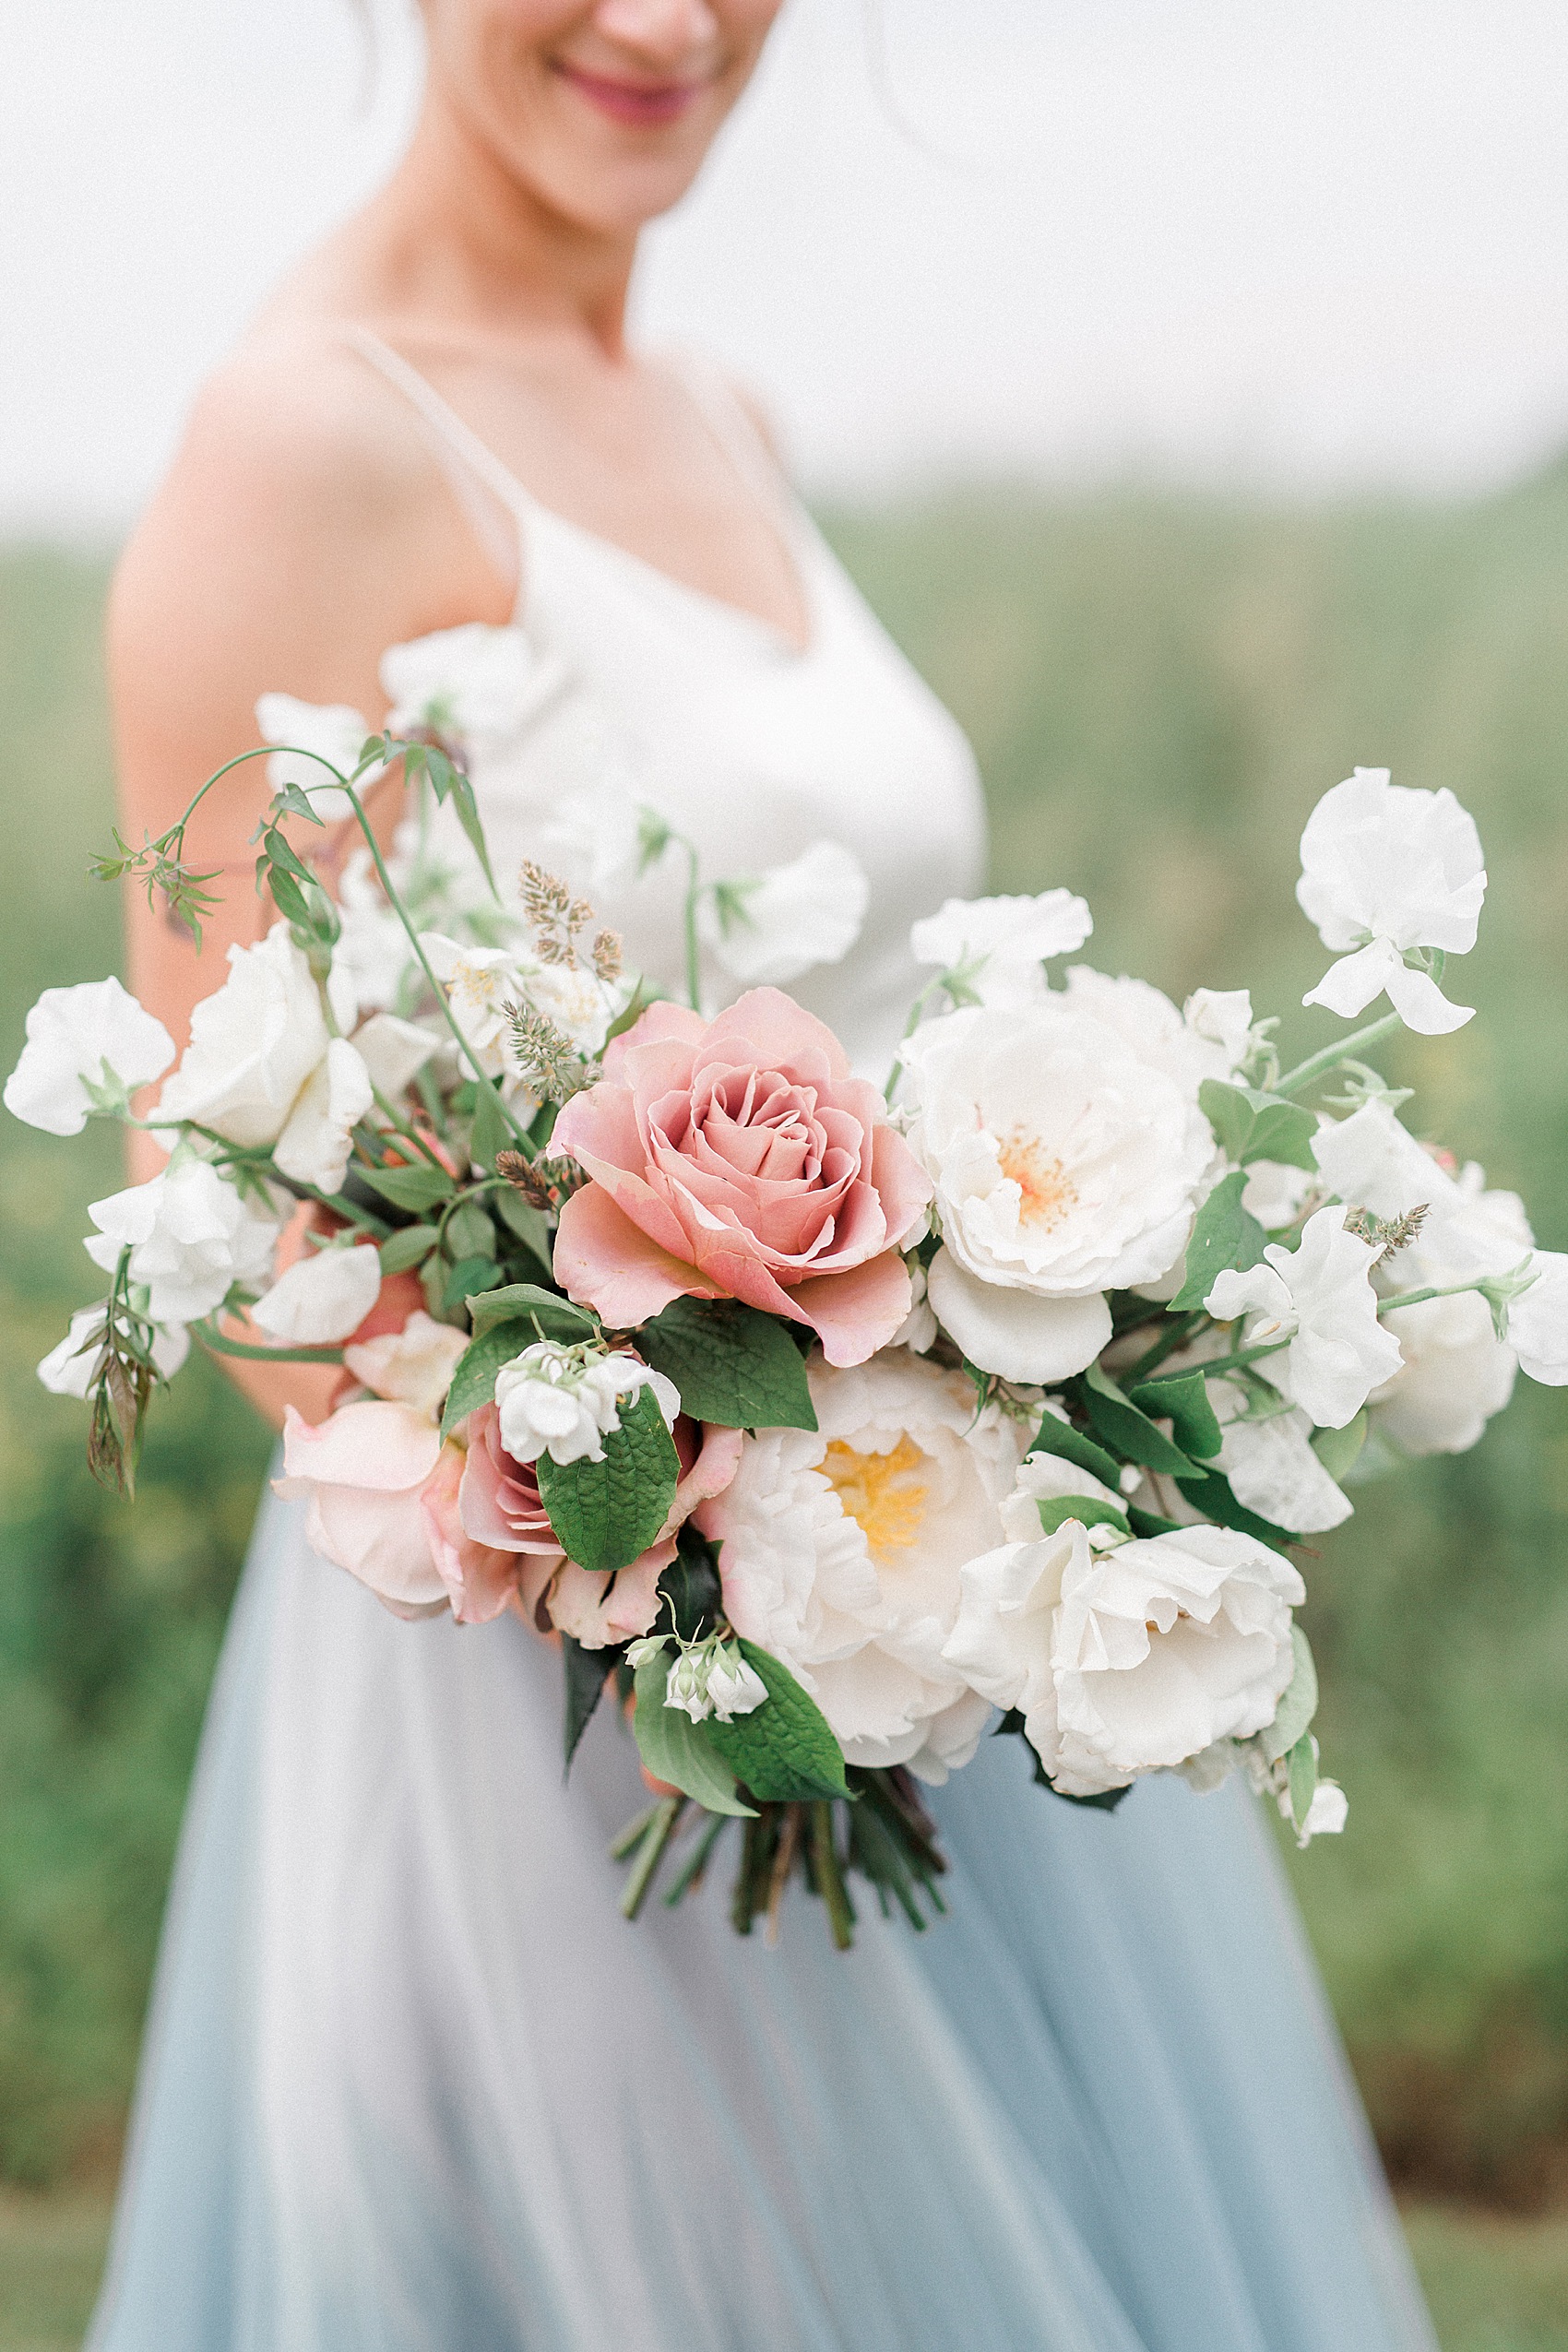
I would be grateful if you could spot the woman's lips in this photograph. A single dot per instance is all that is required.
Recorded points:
(645, 104)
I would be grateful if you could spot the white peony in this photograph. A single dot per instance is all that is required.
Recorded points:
(1066, 1165)
(1127, 1657)
(474, 683)
(840, 1550)
(413, 1366)
(1271, 1465)
(557, 1401)
(788, 918)
(322, 1298)
(1319, 1300)
(79, 1034)
(1456, 1372)
(255, 1045)
(68, 1368)
(334, 731)
(1386, 871)
(191, 1237)
(997, 947)
(1538, 1321)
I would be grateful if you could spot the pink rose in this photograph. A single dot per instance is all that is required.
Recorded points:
(739, 1159)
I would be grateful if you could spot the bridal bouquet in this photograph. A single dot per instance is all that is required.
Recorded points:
(830, 1426)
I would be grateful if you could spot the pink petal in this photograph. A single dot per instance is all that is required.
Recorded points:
(498, 1499)
(780, 1034)
(480, 1581)
(664, 1022)
(856, 1311)
(375, 1444)
(605, 1261)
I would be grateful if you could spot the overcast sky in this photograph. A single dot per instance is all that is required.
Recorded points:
(1308, 241)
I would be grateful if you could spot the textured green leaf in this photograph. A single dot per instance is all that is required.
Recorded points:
(418, 1187)
(1055, 1510)
(409, 1247)
(677, 1750)
(586, 1674)
(1182, 1398)
(783, 1750)
(607, 1512)
(473, 1383)
(1298, 1707)
(1249, 1125)
(558, 1318)
(1225, 1235)
(1072, 1446)
(1131, 1431)
(733, 1364)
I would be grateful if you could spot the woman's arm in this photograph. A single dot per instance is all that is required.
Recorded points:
(303, 529)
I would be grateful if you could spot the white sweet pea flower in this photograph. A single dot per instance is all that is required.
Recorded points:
(191, 1236)
(255, 1044)
(1456, 1372)
(1223, 1016)
(1537, 1320)
(1327, 1814)
(606, 837)
(1385, 872)
(1274, 1193)
(413, 1366)
(1128, 1657)
(68, 1368)
(996, 948)
(788, 919)
(565, 1402)
(840, 1548)
(334, 731)
(74, 1037)
(1318, 1300)
(480, 982)
(315, 1146)
(475, 684)
(1066, 1165)
(1271, 1465)
(322, 1298)
(393, 1051)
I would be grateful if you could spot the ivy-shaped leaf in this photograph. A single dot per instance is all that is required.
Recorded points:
(1225, 1235)
(1249, 1125)
(677, 1750)
(558, 1319)
(473, 1383)
(608, 1512)
(1131, 1431)
(1072, 1446)
(1302, 1762)
(784, 1751)
(733, 1364)
(470, 1233)
(468, 1275)
(1182, 1399)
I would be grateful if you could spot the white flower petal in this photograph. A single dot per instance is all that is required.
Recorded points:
(791, 918)
(315, 1144)
(1014, 1333)
(1538, 1321)
(71, 1033)
(321, 1299)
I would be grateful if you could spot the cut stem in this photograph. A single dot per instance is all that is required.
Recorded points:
(655, 1837)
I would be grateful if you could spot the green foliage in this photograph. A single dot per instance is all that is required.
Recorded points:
(1057, 1509)
(733, 1364)
(608, 1512)
(1070, 1444)
(783, 1750)
(1249, 1125)
(1224, 1235)
(1126, 1428)
(677, 1750)
(1182, 1398)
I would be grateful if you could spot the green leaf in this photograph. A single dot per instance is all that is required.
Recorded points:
(1298, 1707)
(418, 1187)
(408, 1248)
(1104, 1800)
(281, 858)
(291, 801)
(1147, 1523)
(289, 898)
(1207, 1492)
(462, 797)
(558, 1318)
(525, 1222)
(586, 1674)
(1131, 1431)
(679, 1751)
(689, 1589)
(490, 1132)
(1302, 1764)
(470, 1233)
(1223, 1236)
(1072, 1446)
(733, 1364)
(1249, 1125)
(473, 1383)
(1056, 1509)
(1339, 1449)
(783, 1750)
(608, 1512)
(1182, 1398)
(468, 1275)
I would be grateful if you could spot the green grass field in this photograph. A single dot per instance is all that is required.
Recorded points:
(1158, 690)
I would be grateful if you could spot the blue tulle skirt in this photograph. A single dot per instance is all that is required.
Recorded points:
(411, 2085)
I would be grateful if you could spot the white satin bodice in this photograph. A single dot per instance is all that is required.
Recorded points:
(751, 747)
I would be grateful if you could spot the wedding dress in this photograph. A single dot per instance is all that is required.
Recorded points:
(411, 2084)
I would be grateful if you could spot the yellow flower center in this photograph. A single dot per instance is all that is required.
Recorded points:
(880, 1493)
(1047, 1190)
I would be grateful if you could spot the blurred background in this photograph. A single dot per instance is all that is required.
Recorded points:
(1184, 381)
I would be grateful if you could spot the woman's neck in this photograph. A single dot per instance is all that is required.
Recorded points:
(457, 235)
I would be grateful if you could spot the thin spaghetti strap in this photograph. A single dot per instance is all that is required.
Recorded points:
(459, 439)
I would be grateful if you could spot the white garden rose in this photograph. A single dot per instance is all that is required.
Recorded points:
(1538, 1321)
(1127, 1657)
(1204, 1041)
(557, 1401)
(475, 684)
(191, 1237)
(333, 731)
(255, 1045)
(1269, 1461)
(997, 947)
(85, 1034)
(788, 919)
(68, 1368)
(1386, 871)
(321, 1299)
(1065, 1164)
(1317, 1302)
(840, 1548)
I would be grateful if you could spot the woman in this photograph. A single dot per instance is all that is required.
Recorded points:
(410, 2083)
